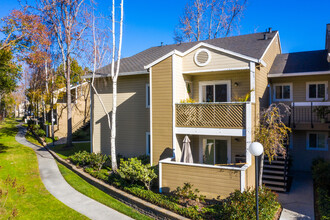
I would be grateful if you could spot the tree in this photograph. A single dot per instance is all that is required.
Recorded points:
(272, 133)
(68, 22)
(100, 49)
(10, 73)
(208, 19)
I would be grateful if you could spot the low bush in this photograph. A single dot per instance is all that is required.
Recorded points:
(186, 193)
(321, 176)
(102, 174)
(242, 205)
(134, 171)
(83, 158)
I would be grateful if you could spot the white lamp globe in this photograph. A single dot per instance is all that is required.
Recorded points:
(256, 149)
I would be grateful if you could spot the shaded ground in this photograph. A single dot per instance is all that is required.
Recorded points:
(299, 202)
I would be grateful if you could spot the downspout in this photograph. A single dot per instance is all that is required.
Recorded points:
(270, 93)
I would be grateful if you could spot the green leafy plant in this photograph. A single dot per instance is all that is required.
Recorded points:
(322, 112)
(94, 160)
(242, 205)
(321, 176)
(134, 171)
(187, 193)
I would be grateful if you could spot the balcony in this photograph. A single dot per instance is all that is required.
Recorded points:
(310, 115)
(227, 115)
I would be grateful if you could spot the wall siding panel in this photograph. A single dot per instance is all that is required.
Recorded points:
(211, 182)
(132, 116)
(162, 110)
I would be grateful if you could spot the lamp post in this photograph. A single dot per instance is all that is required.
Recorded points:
(256, 149)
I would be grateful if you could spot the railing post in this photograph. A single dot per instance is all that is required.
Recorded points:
(312, 115)
(293, 122)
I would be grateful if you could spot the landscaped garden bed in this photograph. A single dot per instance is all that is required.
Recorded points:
(135, 176)
(321, 176)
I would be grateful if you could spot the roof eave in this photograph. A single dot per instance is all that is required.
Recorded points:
(312, 73)
(209, 46)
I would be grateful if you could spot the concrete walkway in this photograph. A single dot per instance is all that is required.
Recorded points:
(299, 202)
(58, 187)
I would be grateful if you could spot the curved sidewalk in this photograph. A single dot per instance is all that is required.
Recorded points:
(58, 187)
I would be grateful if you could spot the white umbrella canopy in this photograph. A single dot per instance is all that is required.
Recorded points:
(186, 156)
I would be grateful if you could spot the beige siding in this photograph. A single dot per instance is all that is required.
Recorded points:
(211, 182)
(300, 156)
(262, 97)
(80, 113)
(299, 85)
(132, 115)
(218, 60)
(162, 110)
(241, 77)
(250, 175)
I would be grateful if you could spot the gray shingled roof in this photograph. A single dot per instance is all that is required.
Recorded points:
(252, 45)
(307, 61)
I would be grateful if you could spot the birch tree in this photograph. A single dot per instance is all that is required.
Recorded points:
(208, 19)
(100, 49)
(68, 22)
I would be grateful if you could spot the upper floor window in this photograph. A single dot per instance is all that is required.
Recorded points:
(316, 91)
(215, 91)
(283, 92)
(147, 96)
(317, 141)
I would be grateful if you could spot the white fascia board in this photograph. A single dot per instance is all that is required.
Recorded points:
(163, 58)
(120, 74)
(209, 46)
(276, 75)
(300, 104)
(271, 42)
(210, 131)
(170, 161)
(217, 70)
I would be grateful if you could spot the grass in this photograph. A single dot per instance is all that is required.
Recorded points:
(30, 137)
(27, 198)
(64, 152)
(89, 190)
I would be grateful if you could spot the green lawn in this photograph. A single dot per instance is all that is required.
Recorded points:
(27, 198)
(85, 188)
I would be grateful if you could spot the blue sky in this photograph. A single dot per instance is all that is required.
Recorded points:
(149, 22)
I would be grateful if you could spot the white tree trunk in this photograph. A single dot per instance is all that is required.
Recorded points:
(113, 125)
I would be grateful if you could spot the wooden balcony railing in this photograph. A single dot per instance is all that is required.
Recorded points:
(211, 115)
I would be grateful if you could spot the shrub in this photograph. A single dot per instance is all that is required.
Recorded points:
(186, 193)
(321, 176)
(40, 132)
(242, 205)
(134, 171)
(102, 174)
(83, 158)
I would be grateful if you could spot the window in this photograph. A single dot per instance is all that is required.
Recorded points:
(218, 91)
(147, 96)
(147, 143)
(317, 141)
(283, 92)
(316, 91)
(216, 151)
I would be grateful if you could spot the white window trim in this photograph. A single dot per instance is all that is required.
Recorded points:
(319, 149)
(208, 60)
(147, 86)
(282, 84)
(147, 144)
(204, 83)
(316, 99)
(201, 145)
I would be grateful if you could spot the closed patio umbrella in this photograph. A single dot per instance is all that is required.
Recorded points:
(186, 156)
